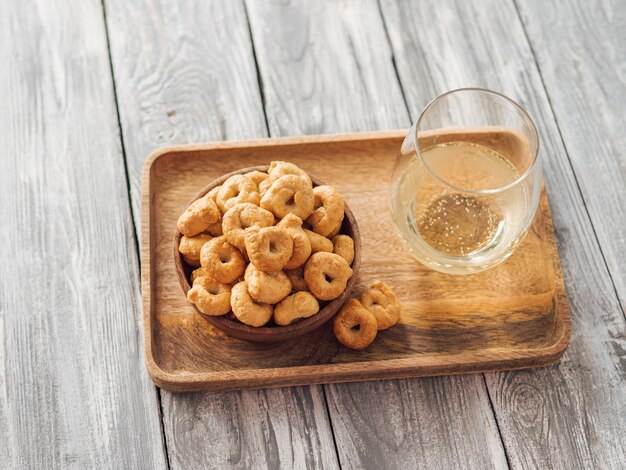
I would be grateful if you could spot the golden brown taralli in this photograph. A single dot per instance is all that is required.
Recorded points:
(221, 260)
(343, 246)
(328, 210)
(235, 190)
(327, 274)
(190, 248)
(211, 297)
(269, 288)
(318, 242)
(258, 178)
(296, 276)
(354, 326)
(289, 194)
(196, 273)
(246, 309)
(279, 169)
(268, 248)
(380, 300)
(296, 306)
(198, 217)
(240, 217)
(301, 243)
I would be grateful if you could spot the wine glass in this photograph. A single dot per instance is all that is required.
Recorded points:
(467, 181)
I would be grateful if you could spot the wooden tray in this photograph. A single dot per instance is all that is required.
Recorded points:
(511, 317)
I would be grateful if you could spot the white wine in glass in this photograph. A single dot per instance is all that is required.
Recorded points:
(467, 181)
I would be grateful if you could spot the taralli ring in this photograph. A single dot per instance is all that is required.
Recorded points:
(221, 260)
(354, 326)
(198, 217)
(259, 178)
(301, 243)
(289, 194)
(243, 216)
(296, 306)
(190, 248)
(246, 309)
(328, 210)
(269, 288)
(343, 246)
(319, 242)
(382, 303)
(196, 273)
(296, 276)
(268, 248)
(213, 193)
(210, 296)
(280, 169)
(235, 190)
(326, 275)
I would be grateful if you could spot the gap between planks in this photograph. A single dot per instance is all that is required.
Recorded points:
(157, 390)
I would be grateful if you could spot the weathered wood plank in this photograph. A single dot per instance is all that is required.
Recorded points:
(184, 73)
(326, 67)
(580, 48)
(571, 415)
(73, 393)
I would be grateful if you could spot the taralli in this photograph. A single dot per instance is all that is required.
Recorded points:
(190, 248)
(268, 248)
(264, 186)
(198, 216)
(354, 326)
(328, 210)
(210, 296)
(269, 288)
(240, 217)
(301, 243)
(334, 233)
(279, 169)
(382, 303)
(326, 275)
(289, 194)
(296, 276)
(235, 190)
(267, 245)
(222, 261)
(343, 246)
(246, 309)
(196, 273)
(259, 177)
(296, 306)
(215, 228)
(213, 193)
(319, 242)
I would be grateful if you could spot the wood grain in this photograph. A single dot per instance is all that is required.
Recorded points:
(73, 392)
(327, 67)
(582, 44)
(185, 72)
(512, 316)
(570, 415)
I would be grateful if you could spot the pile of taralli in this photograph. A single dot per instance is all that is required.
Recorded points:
(266, 246)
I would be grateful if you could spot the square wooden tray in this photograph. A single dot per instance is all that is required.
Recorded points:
(513, 316)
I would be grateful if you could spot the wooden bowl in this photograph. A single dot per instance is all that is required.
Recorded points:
(274, 333)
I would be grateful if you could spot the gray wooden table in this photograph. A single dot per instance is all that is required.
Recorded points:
(89, 89)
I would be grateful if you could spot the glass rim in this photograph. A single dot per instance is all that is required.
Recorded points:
(506, 187)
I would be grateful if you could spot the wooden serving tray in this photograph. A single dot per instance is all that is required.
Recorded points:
(510, 317)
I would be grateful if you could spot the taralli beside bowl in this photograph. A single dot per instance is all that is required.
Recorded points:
(267, 253)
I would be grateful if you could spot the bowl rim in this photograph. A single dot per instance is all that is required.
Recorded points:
(273, 332)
